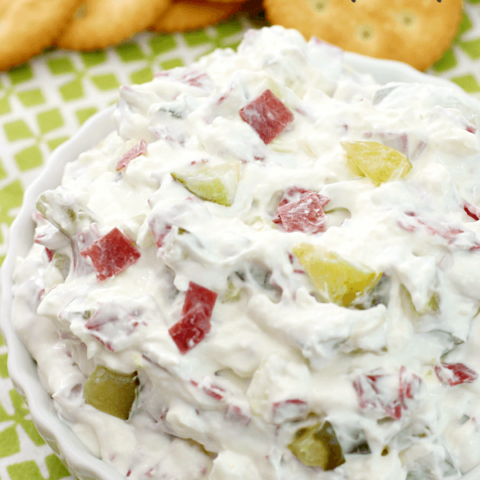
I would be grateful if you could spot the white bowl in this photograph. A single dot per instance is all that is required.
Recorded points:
(21, 366)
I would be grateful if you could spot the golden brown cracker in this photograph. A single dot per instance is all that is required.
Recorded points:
(4, 5)
(413, 31)
(100, 23)
(192, 14)
(29, 26)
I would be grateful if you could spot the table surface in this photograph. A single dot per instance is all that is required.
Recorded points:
(43, 103)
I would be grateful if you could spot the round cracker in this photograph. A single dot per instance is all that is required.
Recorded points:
(185, 15)
(100, 23)
(29, 26)
(412, 31)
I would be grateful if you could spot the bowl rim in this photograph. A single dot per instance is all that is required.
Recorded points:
(22, 369)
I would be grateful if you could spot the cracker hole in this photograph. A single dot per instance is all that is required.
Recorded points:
(365, 33)
(319, 5)
(407, 19)
(81, 12)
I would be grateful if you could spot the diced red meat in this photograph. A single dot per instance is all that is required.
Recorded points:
(455, 373)
(409, 385)
(388, 395)
(305, 215)
(139, 149)
(267, 115)
(293, 194)
(111, 254)
(301, 210)
(372, 395)
(161, 236)
(418, 150)
(289, 410)
(214, 391)
(194, 323)
(235, 414)
(436, 226)
(471, 210)
(112, 324)
(49, 253)
(197, 79)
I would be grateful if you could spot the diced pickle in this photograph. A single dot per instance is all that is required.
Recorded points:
(379, 295)
(195, 444)
(233, 294)
(434, 303)
(216, 184)
(376, 161)
(61, 209)
(431, 308)
(111, 392)
(318, 446)
(62, 262)
(338, 280)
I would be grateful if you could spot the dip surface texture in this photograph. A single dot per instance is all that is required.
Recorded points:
(270, 271)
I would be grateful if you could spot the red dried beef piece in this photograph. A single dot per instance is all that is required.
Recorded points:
(236, 415)
(388, 395)
(289, 409)
(111, 254)
(215, 392)
(292, 194)
(305, 215)
(139, 149)
(471, 210)
(267, 115)
(433, 226)
(301, 210)
(461, 373)
(50, 254)
(371, 396)
(409, 385)
(194, 323)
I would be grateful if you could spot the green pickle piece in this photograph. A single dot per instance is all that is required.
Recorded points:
(62, 262)
(216, 184)
(111, 392)
(233, 294)
(431, 308)
(318, 446)
(376, 161)
(337, 280)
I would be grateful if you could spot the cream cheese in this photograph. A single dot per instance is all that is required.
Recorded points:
(277, 359)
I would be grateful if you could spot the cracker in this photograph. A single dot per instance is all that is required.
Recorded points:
(192, 14)
(100, 23)
(413, 31)
(29, 26)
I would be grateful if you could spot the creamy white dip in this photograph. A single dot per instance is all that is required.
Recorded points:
(276, 359)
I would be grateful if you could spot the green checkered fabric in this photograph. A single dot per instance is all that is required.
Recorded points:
(44, 102)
